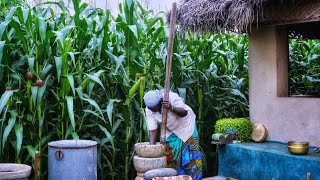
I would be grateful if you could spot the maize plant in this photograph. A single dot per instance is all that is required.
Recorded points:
(83, 74)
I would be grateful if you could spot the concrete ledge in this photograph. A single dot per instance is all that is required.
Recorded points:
(266, 161)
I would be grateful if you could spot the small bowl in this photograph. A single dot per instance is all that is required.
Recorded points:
(298, 148)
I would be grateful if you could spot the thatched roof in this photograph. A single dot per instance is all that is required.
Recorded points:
(240, 15)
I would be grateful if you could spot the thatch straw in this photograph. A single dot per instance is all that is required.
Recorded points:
(230, 15)
(217, 15)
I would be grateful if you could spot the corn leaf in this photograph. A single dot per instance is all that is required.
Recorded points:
(58, 61)
(34, 92)
(80, 93)
(96, 79)
(19, 135)
(110, 109)
(31, 151)
(93, 113)
(70, 111)
(1, 50)
(45, 71)
(95, 105)
(71, 54)
(3, 27)
(4, 99)
(42, 28)
(116, 59)
(8, 128)
(41, 91)
(237, 93)
(75, 135)
(31, 63)
(134, 30)
(108, 135)
(116, 125)
(71, 82)
(10, 13)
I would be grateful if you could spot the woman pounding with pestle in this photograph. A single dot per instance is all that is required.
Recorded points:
(182, 142)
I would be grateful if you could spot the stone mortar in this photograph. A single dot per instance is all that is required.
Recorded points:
(143, 165)
(14, 171)
(146, 150)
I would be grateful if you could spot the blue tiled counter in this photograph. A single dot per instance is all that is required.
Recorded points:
(266, 161)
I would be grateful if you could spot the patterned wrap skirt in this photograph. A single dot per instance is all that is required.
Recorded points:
(186, 157)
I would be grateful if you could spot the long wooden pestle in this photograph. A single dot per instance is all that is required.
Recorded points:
(173, 18)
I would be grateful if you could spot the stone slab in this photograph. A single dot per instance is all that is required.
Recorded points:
(181, 177)
(161, 172)
(266, 161)
(218, 178)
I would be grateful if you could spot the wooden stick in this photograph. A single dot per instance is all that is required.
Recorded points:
(308, 176)
(173, 18)
(36, 165)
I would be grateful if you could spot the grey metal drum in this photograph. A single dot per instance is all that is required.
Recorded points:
(72, 160)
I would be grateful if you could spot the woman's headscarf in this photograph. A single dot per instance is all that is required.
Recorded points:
(153, 98)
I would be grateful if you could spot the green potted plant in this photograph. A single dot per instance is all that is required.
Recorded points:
(241, 126)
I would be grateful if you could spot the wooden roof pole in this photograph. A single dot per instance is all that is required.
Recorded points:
(173, 19)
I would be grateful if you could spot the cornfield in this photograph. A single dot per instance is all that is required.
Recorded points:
(82, 75)
(304, 67)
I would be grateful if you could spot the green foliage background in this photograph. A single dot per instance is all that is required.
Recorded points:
(5, 5)
(304, 67)
(96, 67)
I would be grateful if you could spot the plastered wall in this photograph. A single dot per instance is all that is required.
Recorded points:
(286, 118)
